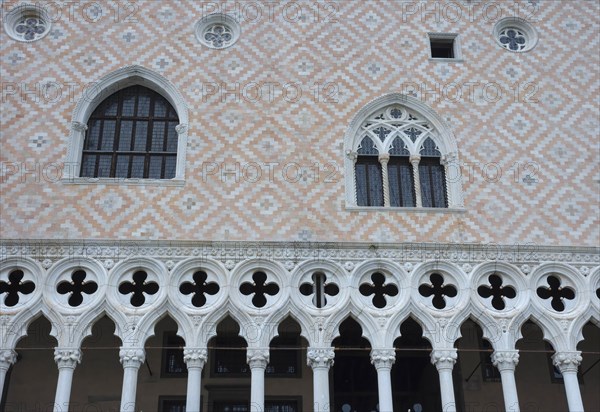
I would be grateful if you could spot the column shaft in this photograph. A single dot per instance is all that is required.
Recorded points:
(568, 364)
(8, 357)
(414, 161)
(320, 360)
(258, 359)
(195, 358)
(383, 359)
(66, 360)
(132, 359)
(444, 361)
(506, 361)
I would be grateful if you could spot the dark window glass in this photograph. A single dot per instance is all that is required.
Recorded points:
(489, 371)
(171, 404)
(131, 135)
(243, 406)
(230, 356)
(283, 357)
(433, 182)
(400, 176)
(442, 48)
(369, 183)
(172, 356)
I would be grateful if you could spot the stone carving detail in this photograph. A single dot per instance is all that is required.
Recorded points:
(567, 361)
(7, 357)
(132, 357)
(320, 357)
(257, 357)
(505, 360)
(444, 358)
(383, 358)
(67, 357)
(195, 357)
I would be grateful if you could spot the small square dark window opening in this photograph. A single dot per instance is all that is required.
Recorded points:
(442, 48)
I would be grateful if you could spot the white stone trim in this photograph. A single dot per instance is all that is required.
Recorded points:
(217, 18)
(24, 10)
(523, 25)
(106, 86)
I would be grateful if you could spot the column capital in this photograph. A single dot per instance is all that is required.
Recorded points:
(195, 357)
(352, 155)
(7, 357)
(181, 128)
(505, 359)
(67, 357)
(383, 358)
(567, 361)
(79, 126)
(132, 357)
(444, 358)
(320, 357)
(414, 159)
(384, 157)
(257, 357)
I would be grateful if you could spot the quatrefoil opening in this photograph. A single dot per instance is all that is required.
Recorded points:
(199, 287)
(15, 286)
(259, 288)
(379, 289)
(497, 292)
(438, 290)
(138, 288)
(555, 292)
(320, 289)
(76, 287)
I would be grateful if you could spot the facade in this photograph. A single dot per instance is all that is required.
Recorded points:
(300, 206)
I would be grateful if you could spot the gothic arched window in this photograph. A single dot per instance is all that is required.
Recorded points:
(399, 157)
(131, 134)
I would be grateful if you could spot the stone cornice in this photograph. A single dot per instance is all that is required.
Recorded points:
(460, 253)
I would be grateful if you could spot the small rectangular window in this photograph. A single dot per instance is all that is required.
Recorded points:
(444, 46)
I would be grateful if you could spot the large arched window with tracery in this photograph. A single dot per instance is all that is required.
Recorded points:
(399, 157)
(131, 134)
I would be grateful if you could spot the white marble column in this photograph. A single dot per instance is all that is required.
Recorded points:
(506, 361)
(131, 359)
(568, 364)
(8, 357)
(444, 360)
(383, 359)
(258, 359)
(66, 359)
(384, 159)
(194, 358)
(320, 360)
(414, 161)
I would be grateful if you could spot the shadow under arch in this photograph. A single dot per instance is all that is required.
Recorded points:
(414, 379)
(35, 357)
(590, 366)
(354, 377)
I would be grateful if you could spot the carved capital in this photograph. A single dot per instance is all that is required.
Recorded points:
(67, 357)
(320, 357)
(567, 361)
(444, 358)
(383, 358)
(414, 160)
(384, 158)
(132, 357)
(78, 126)
(195, 357)
(505, 359)
(181, 128)
(449, 158)
(352, 155)
(7, 357)
(257, 357)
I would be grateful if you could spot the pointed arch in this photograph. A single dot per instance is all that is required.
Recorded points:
(98, 91)
(413, 122)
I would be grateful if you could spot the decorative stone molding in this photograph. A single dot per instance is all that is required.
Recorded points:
(132, 357)
(567, 361)
(257, 357)
(444, 358)
(320, 357)
(195, 357)
(67, 357)
(79, 126)
(383, 358)
(505, 360)
(7, 357)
